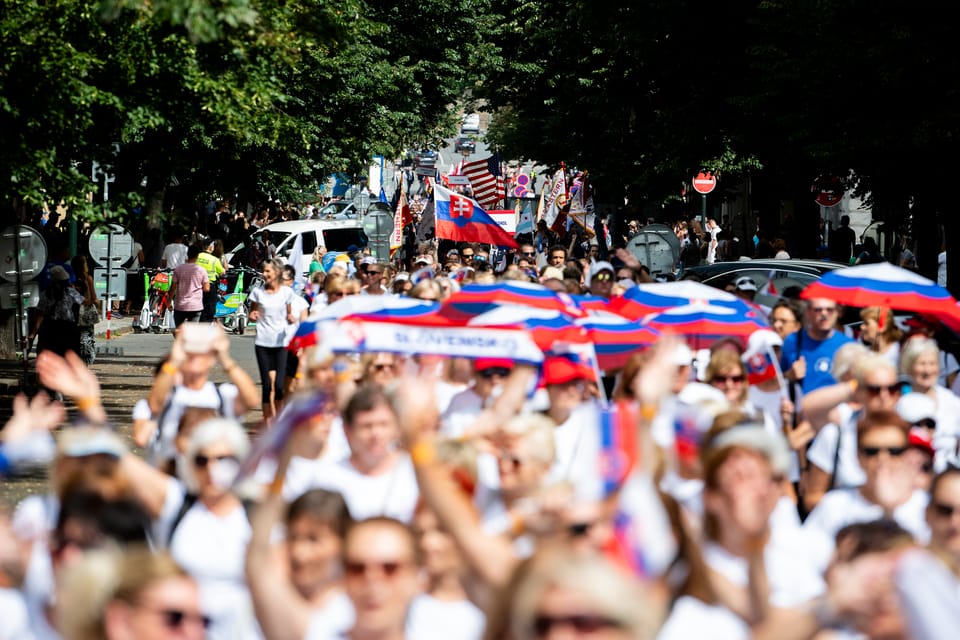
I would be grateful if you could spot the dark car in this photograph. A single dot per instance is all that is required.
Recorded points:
(465, 144)
(788, 276)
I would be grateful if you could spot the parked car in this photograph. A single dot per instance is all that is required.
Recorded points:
(465, 144)
(787, 276)
(335, 235)
(471, 123)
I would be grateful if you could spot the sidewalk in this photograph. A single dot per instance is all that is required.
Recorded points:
(118, 326)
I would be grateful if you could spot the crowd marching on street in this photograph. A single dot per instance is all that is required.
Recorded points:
(484, 437)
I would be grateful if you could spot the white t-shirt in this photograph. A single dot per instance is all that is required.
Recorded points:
(393, 494)
(693, 618)
(792, 578)
(175, 254)
(297, 306)
(162, 446)
(14, 621)
(463, 409)
(824, 447)
(947, 434)
(272, 321)
(841, 507)
(332, 620)
(212, 549)
(433, 619)
(577, 458)
(444, 392)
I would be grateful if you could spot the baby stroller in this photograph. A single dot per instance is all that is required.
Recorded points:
(157, 312)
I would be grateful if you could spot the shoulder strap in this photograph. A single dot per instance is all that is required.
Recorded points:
(189, 500)
(836, 460)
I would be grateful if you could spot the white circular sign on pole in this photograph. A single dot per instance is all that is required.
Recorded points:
(704, 182)
(110, 244)
(33, 253)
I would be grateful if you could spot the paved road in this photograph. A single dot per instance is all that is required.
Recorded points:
(124, 366)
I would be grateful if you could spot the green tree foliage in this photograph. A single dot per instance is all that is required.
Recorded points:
(188, 99)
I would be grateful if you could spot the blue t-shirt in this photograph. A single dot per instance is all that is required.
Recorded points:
(818, 354)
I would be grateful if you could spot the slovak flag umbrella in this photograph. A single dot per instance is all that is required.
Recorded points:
(883, 285)
(644, 299)
(474, 299)
(615, 338)
(705, 323)
(396, 309)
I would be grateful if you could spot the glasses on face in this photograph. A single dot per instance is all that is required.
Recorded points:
(873, 452)
(175, 619)
(368, 272)
(202, 461)
(926, 423)
(494, 372)
(825, 310)
(334, 294)
(358, 569)
(467, 256)
(944, 510)
(585, 623)
(876, 389)
(737, 379)
(603, 276)
(530, 254)
(382, 366)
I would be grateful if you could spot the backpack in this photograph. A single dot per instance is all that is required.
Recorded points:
(191, 499)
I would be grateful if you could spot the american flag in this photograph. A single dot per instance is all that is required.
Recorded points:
(486, 180)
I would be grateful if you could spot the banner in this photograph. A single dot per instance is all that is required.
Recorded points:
(352, 336)
(506, 218)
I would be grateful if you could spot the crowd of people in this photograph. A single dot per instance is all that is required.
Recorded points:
(380, 496)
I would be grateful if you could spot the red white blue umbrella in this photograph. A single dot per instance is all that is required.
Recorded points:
(882, 285)
(474, 299)
(705, 323)
(615, 338)
(390, 307)
(644, 299)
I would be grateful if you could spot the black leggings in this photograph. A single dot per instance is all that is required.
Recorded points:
(271, 359)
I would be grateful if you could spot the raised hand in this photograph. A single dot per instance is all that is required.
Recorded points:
(68, 375)
(31, 416)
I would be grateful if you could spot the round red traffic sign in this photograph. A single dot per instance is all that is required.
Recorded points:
(704, 182)
(828, 190)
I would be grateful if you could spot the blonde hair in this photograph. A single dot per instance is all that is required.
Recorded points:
(870, 363)
(538, 430)
(600, 585)
(914, 349)
(890, 332)
(102, 576)
(845, 357)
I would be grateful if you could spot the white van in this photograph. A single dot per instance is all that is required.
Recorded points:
(335, 235)
(471, 123)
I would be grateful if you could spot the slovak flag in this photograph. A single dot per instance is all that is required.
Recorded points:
(759, 367)
(461, 219)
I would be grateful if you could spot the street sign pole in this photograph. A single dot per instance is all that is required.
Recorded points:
(703, 183)
(108, 302)
(703, 211)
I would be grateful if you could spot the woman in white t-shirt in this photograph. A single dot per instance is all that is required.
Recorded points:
(272, 311)
(299, 592)
(889, 482)
(202, 523)
(920, 360)
(443, 612)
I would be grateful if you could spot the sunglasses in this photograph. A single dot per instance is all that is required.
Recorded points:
(581, 623)
(492, 372)
(467, 256)
(737, 379)
(530, 254)
(873, 452)
(202, 461)
(944, 510)
(381, 366)
(372, 273)
(603, 276)
(926, 423)
(175, 618)
(335, 294)
(823, 309)
(877, 389)
(356, 569)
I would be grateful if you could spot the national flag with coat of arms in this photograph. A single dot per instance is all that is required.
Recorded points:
(486, 180)
(462, 219)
